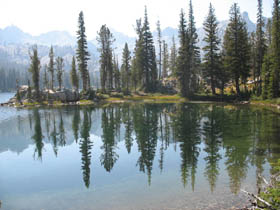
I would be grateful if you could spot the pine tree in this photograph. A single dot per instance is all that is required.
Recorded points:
(267, 64)
(126, 68)
(236, 48)
(160, 51)
(173, 57)
(275, 48)
(46, 82)
(165, 60)
(182, 65)
(268, 32)
(59, 71)
(266, 75)
(260, 45)
(253, 60)
(105, 40)
(138, 60)
(82, 52)
(51, 67)
(29, 94)
(211, 57)
(117, 74)
(194, 51)
(149, 58)
(74, 75)
(35, 71)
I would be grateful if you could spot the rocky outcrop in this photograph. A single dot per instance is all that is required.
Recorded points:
(64, 95)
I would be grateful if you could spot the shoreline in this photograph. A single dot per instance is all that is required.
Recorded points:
(149, 98)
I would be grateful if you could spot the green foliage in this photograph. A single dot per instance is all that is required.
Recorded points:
(160, 51)
(149, 58)
(105, 39)
(74, 75)
(182, 64)
(236, 48)
(260, 46)
(188, 60)
(272, 194)
(275, 47)
(46, 81)
(59, 70)
(51, 66)
(165, 60)
(173, 57)
(35, 70)
(126, 69)
(211, 63)
(82, 52)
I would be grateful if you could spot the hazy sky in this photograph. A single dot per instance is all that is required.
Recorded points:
(40, 16)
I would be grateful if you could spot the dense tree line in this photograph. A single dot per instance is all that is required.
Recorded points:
(231, 63)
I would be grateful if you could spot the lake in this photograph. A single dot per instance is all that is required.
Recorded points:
(137, 156)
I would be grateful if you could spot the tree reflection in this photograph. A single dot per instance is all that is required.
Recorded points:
(85, 147)
(76, 123)
(237, 150)
(38, 135)
(187, 132)
(212, 131)
(109, 126)
(62, 137)
(128, 123)
(53, 136)
(146, 127)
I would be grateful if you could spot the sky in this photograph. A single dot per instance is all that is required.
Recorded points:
(40, 16)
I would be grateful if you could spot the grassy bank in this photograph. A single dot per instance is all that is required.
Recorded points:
(149, 98)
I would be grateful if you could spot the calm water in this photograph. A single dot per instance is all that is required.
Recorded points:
(161, 156)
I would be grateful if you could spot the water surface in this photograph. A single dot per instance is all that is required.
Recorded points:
(152, 156)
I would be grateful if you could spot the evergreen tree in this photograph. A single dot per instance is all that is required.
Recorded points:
(173, 57)
(149, 58)
(160, 51)
(51, 67)
(134, 74)
(126, 68)
(268, 32)
(224, 74)
(117, 74)
(105, 40)
(253, 60)
(59, 71)
(211, 57)
(236, 47)
(182, 65)
(267, 63)
(194, 51)
(275, 47)
(46, 81)
(165, 60)
(28, 90)
(266, 75)
(74, 75)
(260, 45)
(35, 71)
(82, 52)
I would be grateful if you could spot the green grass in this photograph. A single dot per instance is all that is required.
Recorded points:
(155, 98)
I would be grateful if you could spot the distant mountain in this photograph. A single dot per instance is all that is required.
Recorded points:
(15, 46)
(14, 35)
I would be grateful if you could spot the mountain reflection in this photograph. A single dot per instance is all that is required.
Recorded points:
(216, 134)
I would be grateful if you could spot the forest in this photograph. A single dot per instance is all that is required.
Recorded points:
(241, 64)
